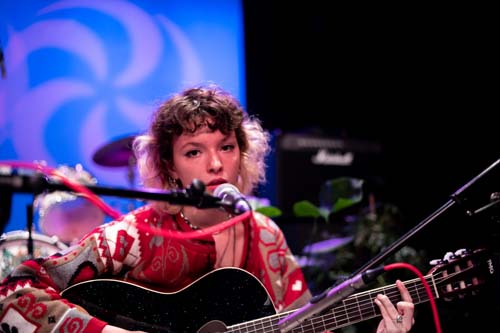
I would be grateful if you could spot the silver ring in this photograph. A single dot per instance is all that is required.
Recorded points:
(399, 319)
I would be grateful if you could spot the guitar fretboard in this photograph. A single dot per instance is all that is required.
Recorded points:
(356, 308)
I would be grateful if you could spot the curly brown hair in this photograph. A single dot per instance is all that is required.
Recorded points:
(188, 111)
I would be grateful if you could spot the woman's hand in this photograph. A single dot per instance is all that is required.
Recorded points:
(114, 329)
(397, 319)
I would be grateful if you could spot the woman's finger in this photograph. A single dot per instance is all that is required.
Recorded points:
(405, 294)
(387, 306)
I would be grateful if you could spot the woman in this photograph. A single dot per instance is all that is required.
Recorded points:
(203, 134)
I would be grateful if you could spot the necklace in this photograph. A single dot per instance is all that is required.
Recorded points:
(192, 226)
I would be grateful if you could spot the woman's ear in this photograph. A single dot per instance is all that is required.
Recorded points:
(172, 182)
(173, 177)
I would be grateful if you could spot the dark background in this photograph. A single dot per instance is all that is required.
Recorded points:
(419, 80)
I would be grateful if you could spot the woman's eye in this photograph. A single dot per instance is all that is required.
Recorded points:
(192, 153)
(228, 147)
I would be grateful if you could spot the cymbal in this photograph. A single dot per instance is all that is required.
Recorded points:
(116, 153)
(308, 261)
(327, 245)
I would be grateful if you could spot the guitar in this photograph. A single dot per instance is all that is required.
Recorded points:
(232, 300)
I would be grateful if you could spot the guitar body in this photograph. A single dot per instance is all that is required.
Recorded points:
(226, 295)
(233, 300)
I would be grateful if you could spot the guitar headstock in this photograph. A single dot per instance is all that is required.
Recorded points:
(463, 272)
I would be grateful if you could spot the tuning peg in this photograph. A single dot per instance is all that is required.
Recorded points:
(462, 252)
(449, 256)
(435, 262)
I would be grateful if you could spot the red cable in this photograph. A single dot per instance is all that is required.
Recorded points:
(426, 286)
(92, 197)
(89, 195)
(196, 233)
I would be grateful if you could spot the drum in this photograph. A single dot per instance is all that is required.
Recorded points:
(14, 248)
(68, 215)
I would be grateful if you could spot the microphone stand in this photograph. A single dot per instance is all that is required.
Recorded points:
(37, 183)
(5, 208)
(29, 224)
(336, 294)
(193, 196)
(455, 198)
(482, 209)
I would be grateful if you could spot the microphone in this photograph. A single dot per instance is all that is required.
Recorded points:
(232, 200)
(33, 183)
(327, 298)
(37, 183)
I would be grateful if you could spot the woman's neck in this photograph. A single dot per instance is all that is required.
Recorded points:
(203, 218)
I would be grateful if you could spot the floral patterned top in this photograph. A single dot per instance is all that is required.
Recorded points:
(30, 299)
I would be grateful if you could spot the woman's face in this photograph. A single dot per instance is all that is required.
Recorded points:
(208, 156)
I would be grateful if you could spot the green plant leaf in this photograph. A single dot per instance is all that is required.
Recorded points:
(343, 203)
(269, 211)
(340, 193)
(306, 208)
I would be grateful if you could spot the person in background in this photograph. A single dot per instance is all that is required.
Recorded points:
(201, 133)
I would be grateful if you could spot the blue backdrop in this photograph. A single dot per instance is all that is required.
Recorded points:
(81, 74)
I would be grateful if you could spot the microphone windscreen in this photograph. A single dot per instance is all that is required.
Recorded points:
(224, 189)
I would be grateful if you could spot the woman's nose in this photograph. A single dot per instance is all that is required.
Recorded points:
(215, 163)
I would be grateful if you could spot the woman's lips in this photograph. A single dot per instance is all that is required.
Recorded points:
(212, 185)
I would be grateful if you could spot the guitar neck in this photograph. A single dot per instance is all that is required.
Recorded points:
(356, 308)
(215, 303)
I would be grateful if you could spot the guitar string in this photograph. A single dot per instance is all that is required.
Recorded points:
(340, 324)
(394, 295)
(339, 316)
(308, 325)
(311, 323)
